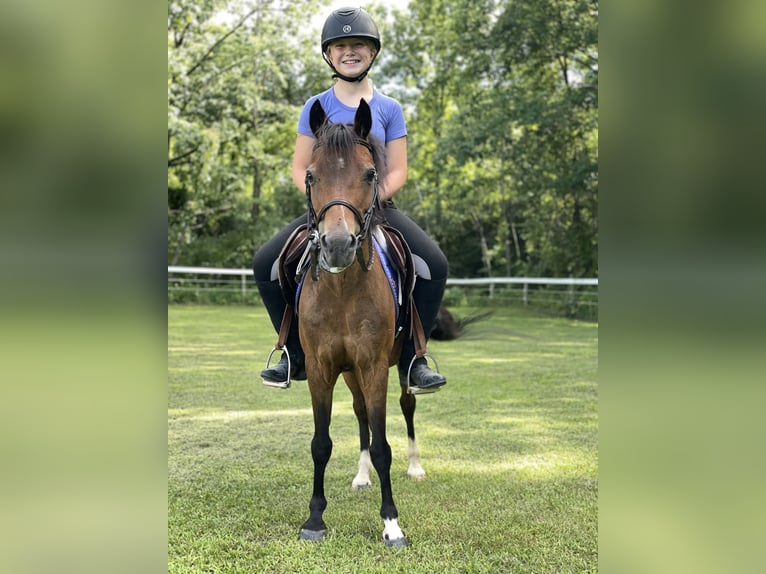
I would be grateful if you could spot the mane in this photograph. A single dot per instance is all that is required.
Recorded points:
(340, 139)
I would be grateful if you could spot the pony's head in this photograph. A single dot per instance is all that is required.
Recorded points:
(342, 184)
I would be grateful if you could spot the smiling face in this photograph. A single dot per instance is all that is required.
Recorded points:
(351, 56)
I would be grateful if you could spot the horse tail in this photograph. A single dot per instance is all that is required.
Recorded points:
(448, 327)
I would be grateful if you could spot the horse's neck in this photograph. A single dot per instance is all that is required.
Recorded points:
(347, 285)
(355, 279)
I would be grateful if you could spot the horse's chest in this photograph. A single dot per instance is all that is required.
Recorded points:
(348, 323)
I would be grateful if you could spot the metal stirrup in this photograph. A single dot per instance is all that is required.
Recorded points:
(417, 390)
(275, 384)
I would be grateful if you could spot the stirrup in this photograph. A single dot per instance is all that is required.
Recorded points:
(417, 390)
(283, 384)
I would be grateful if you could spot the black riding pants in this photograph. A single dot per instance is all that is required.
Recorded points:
(430, 264)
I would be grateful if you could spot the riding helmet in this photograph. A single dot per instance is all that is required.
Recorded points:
(349, 23)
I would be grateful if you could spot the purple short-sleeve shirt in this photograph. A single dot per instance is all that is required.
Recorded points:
(387, 115)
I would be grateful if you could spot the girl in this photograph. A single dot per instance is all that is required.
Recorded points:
(350, 44)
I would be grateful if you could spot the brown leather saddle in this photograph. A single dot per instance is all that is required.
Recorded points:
(298, 258)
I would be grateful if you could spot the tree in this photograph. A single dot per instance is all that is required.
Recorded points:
(502, 111)
(549, 55)
(234, 91)
(503, 131)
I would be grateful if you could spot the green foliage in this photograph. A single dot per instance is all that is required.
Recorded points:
(234, 92)
(510, 448)
(502, 111)
(504, 132)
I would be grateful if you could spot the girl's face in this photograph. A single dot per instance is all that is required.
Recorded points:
(351, 56)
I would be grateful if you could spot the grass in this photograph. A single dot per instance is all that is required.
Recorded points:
(510, 448)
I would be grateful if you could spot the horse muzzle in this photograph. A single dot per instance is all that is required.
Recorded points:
(337, 251)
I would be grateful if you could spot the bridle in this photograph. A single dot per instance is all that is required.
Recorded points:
(364, 221)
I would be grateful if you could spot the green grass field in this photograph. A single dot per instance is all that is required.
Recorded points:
(510, 448)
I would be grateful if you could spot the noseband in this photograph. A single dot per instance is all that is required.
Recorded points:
(364, 221)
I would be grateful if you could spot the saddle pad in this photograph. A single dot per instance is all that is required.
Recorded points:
(393, 277)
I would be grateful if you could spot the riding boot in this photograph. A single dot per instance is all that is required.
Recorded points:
(427, 296)
(271, 294)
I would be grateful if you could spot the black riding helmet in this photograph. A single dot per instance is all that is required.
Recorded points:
(349, 23)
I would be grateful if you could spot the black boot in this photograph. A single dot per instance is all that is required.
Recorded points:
(427, 296)
(273, 300)
(278, 373)
(277, 376)
(423, 377)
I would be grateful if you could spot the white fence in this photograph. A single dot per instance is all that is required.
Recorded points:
(212, 278)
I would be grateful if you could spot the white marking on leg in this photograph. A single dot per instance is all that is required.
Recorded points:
(362, 478)
(415, 471)
(391, 530)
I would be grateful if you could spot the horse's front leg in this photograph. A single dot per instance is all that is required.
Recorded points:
(321, 449)
(380, 452)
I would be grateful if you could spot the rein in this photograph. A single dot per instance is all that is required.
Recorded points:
(364, 221)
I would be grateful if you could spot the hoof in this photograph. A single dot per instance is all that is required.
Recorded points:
(398, 543)
(360, 487)
(313, 535)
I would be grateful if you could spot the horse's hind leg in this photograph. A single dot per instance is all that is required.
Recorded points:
(321, 449)
(407, 402)
(362, 478)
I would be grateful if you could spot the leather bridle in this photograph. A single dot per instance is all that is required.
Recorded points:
(364, 220)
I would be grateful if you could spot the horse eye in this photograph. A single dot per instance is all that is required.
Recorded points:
(310, 178)
(369, 175)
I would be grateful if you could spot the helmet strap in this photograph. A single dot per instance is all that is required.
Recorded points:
(358, 78)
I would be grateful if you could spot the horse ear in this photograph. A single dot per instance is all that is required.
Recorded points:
(317, 117)
(363, 120)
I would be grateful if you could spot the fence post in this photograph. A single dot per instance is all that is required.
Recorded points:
(571, 295)
(243, 283)
(526, 294)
